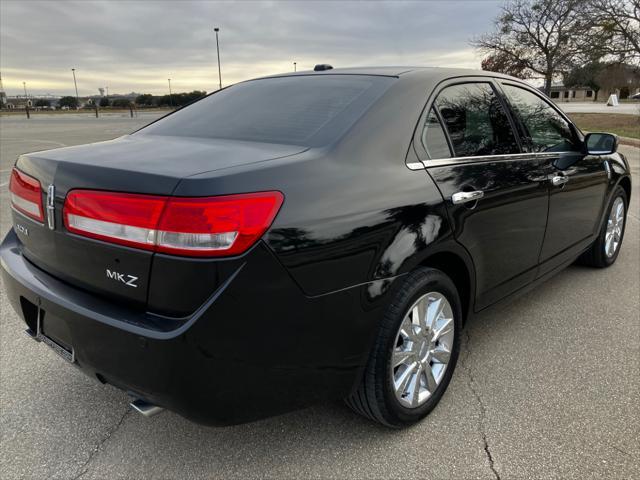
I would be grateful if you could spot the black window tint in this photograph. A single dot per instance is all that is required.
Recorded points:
(298, 110)
(545, 128)
(434, 139)
(475, 120)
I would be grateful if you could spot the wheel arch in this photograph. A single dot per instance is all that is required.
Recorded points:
(455, 267)
(625, 183)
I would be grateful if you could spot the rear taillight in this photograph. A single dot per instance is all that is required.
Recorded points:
(201, 227)
(26, 195)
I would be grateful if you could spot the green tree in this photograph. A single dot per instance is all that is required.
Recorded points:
(70, 102)
(43, 103)
(144, 99)
(105, 102)
(585, 76)
(121, 103)
(180, 99)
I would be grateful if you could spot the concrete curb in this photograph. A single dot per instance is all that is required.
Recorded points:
(634, 142)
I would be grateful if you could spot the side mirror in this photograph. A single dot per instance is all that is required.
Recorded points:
(601, 143)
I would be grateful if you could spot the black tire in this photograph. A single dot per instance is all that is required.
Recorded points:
(596, 256)
(374, 397)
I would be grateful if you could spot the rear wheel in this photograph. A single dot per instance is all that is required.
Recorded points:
(604, 251)
(415, 353)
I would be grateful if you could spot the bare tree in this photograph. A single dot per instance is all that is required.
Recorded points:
(542, 37)
(616, 29)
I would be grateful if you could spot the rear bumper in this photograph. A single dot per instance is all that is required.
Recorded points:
(252, 350)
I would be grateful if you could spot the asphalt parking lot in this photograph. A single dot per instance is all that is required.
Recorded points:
(548, 387)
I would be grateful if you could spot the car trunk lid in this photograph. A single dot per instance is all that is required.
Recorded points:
(142, 164)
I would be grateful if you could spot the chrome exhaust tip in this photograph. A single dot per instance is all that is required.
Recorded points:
(145, 408)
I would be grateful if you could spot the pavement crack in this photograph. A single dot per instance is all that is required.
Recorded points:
(483, 412)
(624, 452)
(85, 466)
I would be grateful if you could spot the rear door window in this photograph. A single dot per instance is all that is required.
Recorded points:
(434, 139)
(545, 130)
(303, 110)
(475, 120)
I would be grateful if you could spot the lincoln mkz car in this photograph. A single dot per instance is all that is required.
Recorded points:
(306, 237)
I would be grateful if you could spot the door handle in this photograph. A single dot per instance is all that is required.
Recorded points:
(464, 197)
(559, 180)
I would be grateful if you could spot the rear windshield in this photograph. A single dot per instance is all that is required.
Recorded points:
(300, 110)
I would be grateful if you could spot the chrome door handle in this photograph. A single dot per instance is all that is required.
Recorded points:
(559, 180)
(464, 197)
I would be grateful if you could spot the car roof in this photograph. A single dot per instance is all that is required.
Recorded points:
(391, 71)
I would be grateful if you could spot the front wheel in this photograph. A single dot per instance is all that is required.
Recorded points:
(604, 251)
(415, 353)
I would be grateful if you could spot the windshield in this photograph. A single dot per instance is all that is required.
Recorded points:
(309, 110)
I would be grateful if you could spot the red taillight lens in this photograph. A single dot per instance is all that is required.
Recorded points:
(226, 225)
(202, 227)
(26, 195)
(122, 218)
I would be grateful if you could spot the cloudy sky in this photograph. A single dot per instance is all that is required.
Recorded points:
(136, 45)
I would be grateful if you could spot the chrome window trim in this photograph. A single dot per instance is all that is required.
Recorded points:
(496, 80)
(443, 162)
(437, 90)
(415, 166)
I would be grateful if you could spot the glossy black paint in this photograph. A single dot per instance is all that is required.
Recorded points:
(291, 322)
(503, 241)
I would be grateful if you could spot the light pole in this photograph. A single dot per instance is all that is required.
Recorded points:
(294, 67)
(170, 99)
(73, 70)
(216, 29)
(26, 100)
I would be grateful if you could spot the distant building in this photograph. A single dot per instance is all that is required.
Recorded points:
(20, 101)
(560, 93)
(619, 79)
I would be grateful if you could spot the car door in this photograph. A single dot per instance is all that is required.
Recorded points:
(577, 182)
(495, 194)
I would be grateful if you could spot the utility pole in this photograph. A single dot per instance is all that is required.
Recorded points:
(26, 100)
(3, 95)
(170, 99)
(76, 85)
(216, 29)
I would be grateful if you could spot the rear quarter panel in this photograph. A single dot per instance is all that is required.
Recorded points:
(353, 212)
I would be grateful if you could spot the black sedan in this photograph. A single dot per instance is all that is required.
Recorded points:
(306, 237)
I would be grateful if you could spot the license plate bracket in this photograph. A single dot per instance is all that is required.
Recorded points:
(65, 352)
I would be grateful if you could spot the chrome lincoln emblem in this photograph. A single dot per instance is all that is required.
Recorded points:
(51, 208)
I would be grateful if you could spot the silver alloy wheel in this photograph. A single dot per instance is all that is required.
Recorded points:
(422, 349)
(615, 223)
